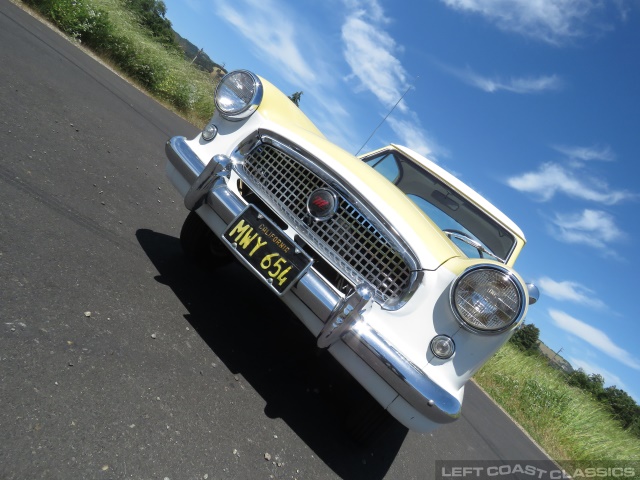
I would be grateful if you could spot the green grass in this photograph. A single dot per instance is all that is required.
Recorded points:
(114, 33)
(564, 420)
(164, 73)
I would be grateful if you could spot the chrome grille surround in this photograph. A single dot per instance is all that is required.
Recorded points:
(355, 241)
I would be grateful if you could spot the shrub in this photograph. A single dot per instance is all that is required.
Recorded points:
(135, 48)
(151, 14)
(526, 337)
(78, 18)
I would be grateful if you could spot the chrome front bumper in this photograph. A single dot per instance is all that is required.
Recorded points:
(342, 317)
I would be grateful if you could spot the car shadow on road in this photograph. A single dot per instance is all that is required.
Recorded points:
(257, 337)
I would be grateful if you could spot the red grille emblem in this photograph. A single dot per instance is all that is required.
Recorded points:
(322, 204)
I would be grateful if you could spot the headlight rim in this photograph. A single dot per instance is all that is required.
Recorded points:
(250, 107)
(514, 280)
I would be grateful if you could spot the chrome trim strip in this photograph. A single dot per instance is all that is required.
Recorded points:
(426, 396)
(316, 295)
(225, 203)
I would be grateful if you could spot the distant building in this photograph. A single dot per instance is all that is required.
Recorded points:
(217, 73)
(555, 360)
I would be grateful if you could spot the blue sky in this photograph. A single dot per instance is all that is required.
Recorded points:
(535, 104)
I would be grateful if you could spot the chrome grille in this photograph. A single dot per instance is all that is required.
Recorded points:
(349, 240)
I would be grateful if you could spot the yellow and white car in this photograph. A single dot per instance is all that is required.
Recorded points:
(397, 267)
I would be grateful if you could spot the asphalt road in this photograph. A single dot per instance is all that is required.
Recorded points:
(174, 373)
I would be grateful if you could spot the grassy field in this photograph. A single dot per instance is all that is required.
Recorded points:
(114, 33)
(564, 420)
(167, 76)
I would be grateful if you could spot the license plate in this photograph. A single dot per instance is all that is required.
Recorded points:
(263, 247)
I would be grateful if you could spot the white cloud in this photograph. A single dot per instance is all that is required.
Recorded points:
(552, 178)
(594, 337)
(412, 136)
(610, 379)
(594, 228)
(552, 21)
(272, 33)
(569, 291)
(280, 38)
(371, 8)
(587, 154)
(372, 55)
(623, 8)
(521, 85)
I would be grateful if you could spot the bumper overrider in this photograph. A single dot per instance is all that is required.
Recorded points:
(343, 318)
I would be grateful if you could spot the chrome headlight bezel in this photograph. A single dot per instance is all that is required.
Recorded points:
(229, 103)
(514, 313)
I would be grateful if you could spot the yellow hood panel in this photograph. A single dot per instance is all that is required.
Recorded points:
(424, 237)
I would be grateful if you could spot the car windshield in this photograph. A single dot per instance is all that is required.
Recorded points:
(474, 232)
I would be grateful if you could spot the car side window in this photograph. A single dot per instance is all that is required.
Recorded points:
(386, 165)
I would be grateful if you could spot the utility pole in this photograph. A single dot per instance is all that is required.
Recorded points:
(194, 58)
(556, 354)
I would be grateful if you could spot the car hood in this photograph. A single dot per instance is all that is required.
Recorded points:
(400, 215)
(278, 115)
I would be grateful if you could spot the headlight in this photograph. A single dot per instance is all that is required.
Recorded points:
(238, 95)
(487, 299)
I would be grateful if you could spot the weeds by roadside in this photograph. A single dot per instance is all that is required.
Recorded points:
(114, 33)
(562, 419)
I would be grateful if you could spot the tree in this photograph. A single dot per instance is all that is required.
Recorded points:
(295, 98)
(635, 425)
(597, 386)
(622, 405)
(579, 378)
(593, 383)
(527, 337)
(152, 15)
